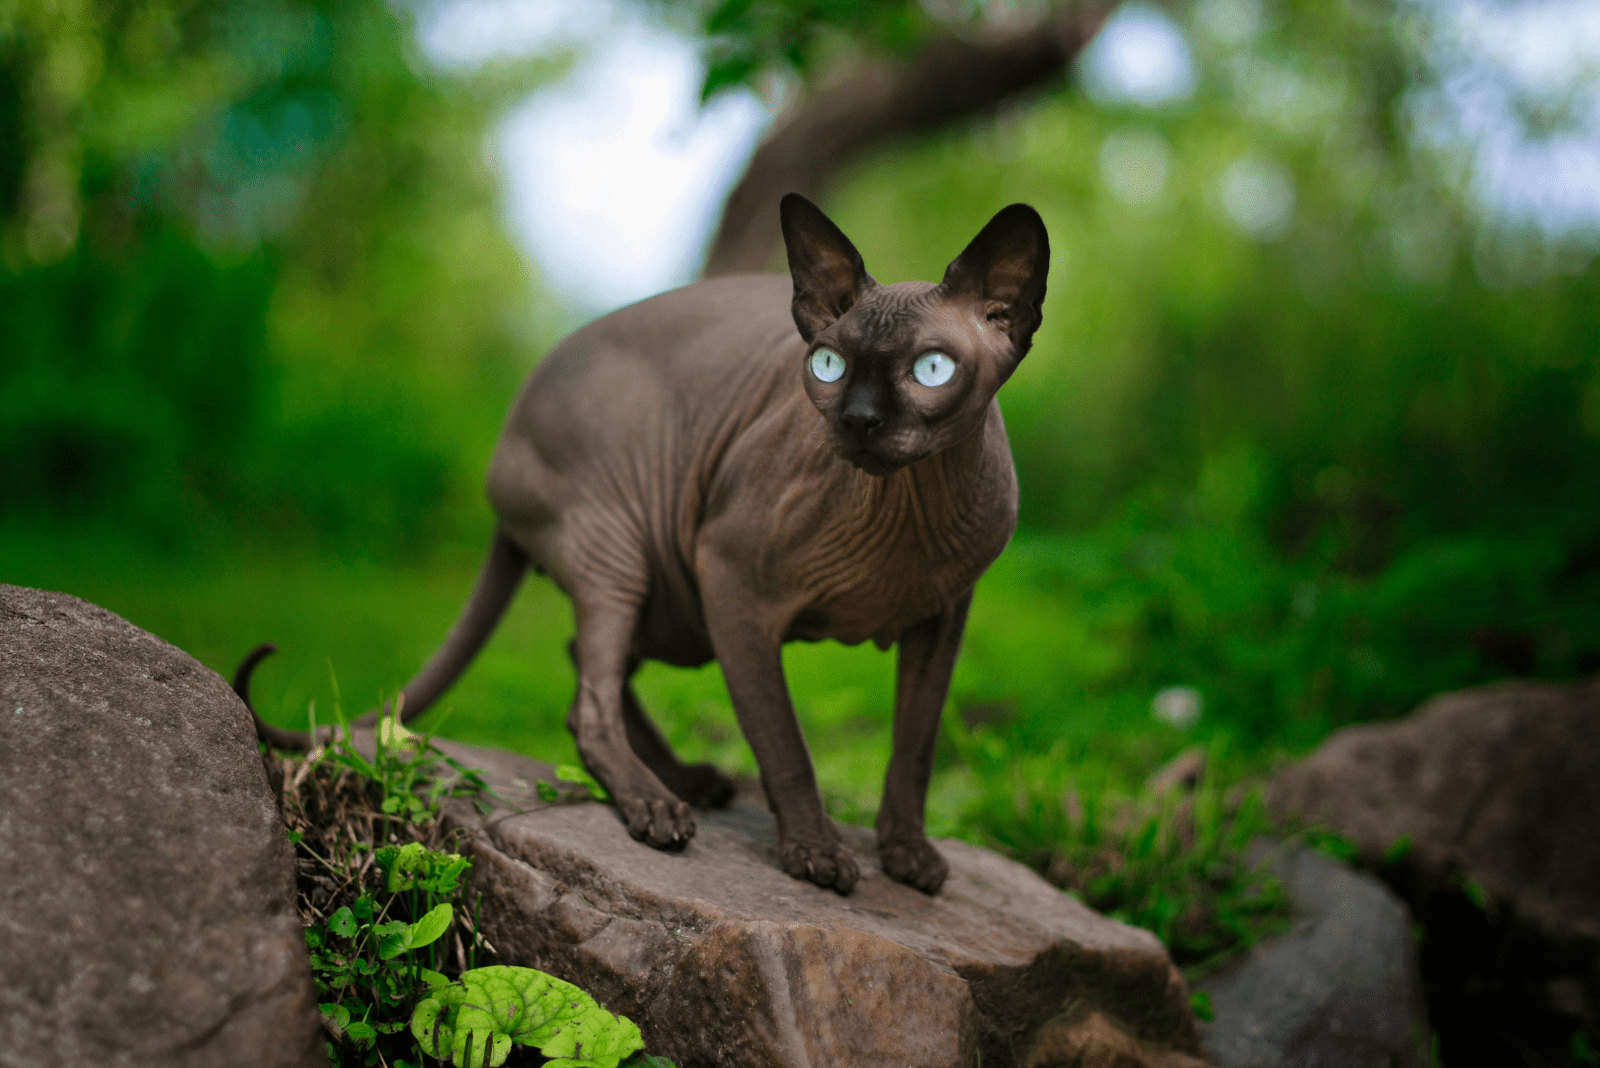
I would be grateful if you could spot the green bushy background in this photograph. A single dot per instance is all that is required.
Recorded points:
(260, 323)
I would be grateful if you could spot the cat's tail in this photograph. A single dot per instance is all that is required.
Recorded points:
(497, 583)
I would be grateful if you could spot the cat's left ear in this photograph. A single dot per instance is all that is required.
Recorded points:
(829, 276)
(1005, 267)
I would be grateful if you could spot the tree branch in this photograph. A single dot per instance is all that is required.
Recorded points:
(949, 80)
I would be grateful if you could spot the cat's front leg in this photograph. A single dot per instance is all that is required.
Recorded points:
(922, 682)
(747, 638)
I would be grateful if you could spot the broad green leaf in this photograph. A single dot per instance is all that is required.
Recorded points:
(479, 1017)
(431, 1033)
(343, 923)
(430, 927)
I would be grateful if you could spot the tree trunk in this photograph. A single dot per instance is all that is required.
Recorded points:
(948, 80)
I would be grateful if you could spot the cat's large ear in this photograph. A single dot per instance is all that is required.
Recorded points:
(1005, 268)
(828, 274)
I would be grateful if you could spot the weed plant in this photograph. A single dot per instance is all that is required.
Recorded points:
(379, 885)
(391, 938)
(1175, 862)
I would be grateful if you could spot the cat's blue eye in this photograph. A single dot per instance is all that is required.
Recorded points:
(933, 368)
(827, 365)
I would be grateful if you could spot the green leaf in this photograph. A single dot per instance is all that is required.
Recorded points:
(361, 1031)
(401, 864)
(430, 927)
(573, 773)
(1200, 1005)
(547, 793)
(434, 979)
(343, 923)
(391, 938)
(478, 1018)
(447, 879)
(335, 1017)
(431, 1033)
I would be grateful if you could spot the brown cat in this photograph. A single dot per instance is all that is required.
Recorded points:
(706, 483)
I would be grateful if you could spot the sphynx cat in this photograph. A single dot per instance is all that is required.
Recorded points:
(748, 461)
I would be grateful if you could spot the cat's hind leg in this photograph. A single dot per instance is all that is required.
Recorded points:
(652, 812)
(702, 785)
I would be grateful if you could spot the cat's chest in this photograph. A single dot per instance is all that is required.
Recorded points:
(870, 576)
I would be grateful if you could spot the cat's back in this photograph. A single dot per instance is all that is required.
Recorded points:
(640, 402)
(698, 338)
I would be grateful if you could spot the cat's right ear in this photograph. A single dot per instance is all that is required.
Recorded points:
(828, 274)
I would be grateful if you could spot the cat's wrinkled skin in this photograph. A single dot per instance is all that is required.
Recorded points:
(680, 471)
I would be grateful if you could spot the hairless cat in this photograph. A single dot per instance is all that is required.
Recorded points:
(706, 482)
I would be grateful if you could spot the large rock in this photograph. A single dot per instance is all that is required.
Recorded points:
(1481, 809)
(1339, 989)
(724, 960)
(146, 906)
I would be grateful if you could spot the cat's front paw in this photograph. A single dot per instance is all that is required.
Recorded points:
(826, 864)
(660, 823)
(703, 785)
(915, 862)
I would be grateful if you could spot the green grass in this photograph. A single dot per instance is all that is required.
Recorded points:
(1049, 678)
(1039, 658)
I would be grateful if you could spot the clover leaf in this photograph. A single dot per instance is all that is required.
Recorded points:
(472, 1023)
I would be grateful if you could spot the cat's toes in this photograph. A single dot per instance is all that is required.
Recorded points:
(830, 865)
(705, 786)
(915, 862)
(660, 823)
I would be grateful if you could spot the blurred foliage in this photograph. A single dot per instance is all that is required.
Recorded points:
(1300, 429)
(249, 270)
(748, 40)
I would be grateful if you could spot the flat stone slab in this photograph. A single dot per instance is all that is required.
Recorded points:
(146, 880)
(723, 959)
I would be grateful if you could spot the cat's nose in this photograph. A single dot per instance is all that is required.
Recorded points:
(861, 420)
(861, 415)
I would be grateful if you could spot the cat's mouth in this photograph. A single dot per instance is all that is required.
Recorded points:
(874, 463)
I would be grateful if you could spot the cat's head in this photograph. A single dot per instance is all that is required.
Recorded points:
(903, 371)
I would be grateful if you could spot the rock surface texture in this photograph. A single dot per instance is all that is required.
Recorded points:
(724, 960)
(1339, 989)
(1482, 810)
(146, 907)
